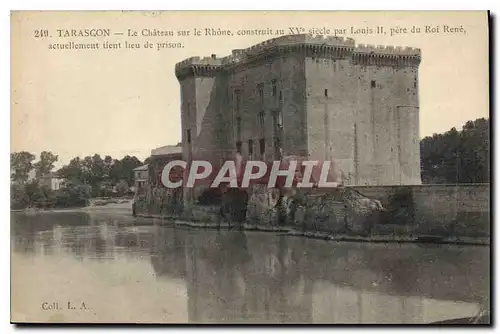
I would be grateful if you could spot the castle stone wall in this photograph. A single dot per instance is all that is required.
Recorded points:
(357, 105)
(330, 110)
(250, 81)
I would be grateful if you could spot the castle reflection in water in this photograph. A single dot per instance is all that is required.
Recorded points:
(248, 277)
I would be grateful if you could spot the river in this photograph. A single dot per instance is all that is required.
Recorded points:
(110, 267)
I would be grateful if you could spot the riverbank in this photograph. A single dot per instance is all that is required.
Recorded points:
(341, 237)
(208, 219)
(457, 214)
(92, 205)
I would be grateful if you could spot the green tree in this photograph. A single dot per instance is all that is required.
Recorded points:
(457, 156)
(73, 194)
(108, 163)
(101, 174)
(122, 188)
(18, 197)
(124, 169)
(46, 163)
(21, 163)
(72, 171)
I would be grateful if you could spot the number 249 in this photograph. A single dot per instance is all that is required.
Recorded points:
(41, 33)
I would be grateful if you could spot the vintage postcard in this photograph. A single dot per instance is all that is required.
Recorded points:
(250, 167)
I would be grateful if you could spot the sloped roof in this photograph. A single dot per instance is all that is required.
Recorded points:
(141, 168)
(165, 150)
(52, 175)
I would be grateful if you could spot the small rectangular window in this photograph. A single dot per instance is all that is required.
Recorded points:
(275, 87)
(326, 92)
(373, 83)
(262, 144)
(238, 147)
(250, 147)
(188, 135)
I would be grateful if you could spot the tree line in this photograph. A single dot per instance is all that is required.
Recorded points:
(91, 176)
(451, 157)
(457, 156)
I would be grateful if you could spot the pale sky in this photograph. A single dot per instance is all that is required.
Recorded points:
(119, 102)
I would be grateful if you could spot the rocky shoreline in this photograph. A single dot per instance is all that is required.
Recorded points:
(292, 231)
(425, 214)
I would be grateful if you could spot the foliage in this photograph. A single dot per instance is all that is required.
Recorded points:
(20, 165)
(73, 194)
(122, 188)
(102, 174)
(19, 197)
(400, 208)
(46, 163)
(32, 194)
(458, 156)
(91, 176)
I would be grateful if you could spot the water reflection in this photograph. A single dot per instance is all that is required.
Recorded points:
(160, 274)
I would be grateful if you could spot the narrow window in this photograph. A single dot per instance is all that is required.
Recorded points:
(275, 87)
(238, 147)
(238, 126)
(260, 88)
(326, 92)
(262, 144)
(280, 119)
(237, 102)
(281, 97)
(373, 83)
(187, 108)
(250, 147)
(261, 119)
(188, 135)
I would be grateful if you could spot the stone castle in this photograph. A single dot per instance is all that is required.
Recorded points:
(319, 97)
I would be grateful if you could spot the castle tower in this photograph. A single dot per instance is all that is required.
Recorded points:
(330, 93)
(386, 117)
(322, 97)
(201, 120)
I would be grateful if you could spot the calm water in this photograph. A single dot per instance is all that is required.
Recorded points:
(115, 268)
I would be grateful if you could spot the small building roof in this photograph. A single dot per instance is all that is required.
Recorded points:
(141, 168)
(166, 150)
(52, 175)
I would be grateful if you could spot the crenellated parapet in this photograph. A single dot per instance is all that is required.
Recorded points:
(330, 46)
(308, 45)
(207, 66)
(381, 55)
(387, 50)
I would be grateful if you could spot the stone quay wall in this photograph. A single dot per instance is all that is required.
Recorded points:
(429, 213)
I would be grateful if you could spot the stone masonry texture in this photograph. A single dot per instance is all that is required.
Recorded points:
(324, 98)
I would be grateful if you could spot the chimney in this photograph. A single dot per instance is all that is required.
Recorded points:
(214, 56)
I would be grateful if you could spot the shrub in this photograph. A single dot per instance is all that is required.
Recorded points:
(400, 209)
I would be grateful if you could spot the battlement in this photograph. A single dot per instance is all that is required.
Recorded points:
(242, 55)
(387, 50)
(289, 40)
(199, 61)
